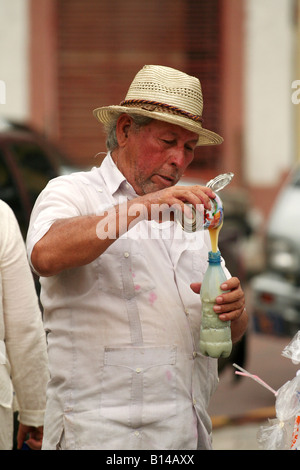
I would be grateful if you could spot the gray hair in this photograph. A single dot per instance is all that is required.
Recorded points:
(110, 128)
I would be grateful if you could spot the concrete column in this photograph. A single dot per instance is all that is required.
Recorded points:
(269, 131)
(14, 99)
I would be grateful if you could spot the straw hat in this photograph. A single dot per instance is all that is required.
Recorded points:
(165, 94)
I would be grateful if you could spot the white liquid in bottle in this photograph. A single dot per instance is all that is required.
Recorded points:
(215, 334)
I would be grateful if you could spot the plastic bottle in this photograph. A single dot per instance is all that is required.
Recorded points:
(215, 334)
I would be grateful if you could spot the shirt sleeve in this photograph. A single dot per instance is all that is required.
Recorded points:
(25, 339)
(60, 199)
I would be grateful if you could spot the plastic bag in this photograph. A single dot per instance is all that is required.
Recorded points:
(273, 437)
(288, 399)
(282, 433)
(292, 350)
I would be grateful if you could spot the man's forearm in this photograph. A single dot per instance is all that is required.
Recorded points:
(79, 240)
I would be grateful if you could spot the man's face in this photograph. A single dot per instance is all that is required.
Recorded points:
(157, 155)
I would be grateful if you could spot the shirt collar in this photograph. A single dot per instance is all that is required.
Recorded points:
(114, 179)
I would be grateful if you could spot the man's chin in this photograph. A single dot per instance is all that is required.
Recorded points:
(152, 188)
(154, 184)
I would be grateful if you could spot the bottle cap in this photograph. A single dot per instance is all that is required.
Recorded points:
(214, 257)
(220, 181)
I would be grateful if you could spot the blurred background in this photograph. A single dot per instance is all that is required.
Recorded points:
(60, 59)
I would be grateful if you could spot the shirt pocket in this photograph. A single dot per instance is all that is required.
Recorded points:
(139, 385)
(123, 270)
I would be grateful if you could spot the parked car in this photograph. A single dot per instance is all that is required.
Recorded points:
(276, 291)
(27, 162)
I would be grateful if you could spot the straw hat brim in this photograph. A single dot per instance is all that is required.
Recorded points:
(106, 114)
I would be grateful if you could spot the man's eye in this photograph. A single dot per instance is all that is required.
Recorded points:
(168, 142)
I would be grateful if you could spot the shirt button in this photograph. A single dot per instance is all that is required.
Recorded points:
(138, 370)
(136, 433)
(194, 354)
(187, 312)
(126, 254)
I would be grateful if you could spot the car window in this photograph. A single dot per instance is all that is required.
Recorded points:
(10, 194)
(35, 167)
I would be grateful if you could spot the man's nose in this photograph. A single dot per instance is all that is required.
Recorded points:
(178, 158)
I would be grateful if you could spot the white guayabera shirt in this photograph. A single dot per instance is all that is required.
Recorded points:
(123, 331)
(23, 354)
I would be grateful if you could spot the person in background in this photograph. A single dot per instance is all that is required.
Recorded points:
(123, 321)
(23, 352)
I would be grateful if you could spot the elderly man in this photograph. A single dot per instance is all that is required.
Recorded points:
(122, 319)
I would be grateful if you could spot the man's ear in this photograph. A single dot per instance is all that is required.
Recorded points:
(124, 124)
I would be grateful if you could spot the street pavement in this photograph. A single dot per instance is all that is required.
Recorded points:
(237, 437)
(241, 406)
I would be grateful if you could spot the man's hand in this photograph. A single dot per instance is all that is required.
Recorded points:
(177, 196)
(32, 435)
(230, 306)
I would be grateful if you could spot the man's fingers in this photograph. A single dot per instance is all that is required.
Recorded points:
(196, 287)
